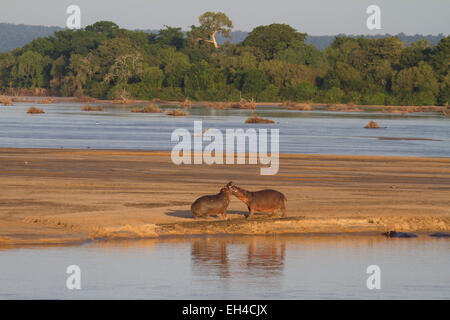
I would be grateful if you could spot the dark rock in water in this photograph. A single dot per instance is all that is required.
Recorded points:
(440, 235)
(395, 234)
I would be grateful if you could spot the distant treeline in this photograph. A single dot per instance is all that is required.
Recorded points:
(17, 35)
(272, 63)
(13, 36)
(323, 42)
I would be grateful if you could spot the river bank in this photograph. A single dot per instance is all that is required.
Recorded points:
(299, 106)
(52, 196)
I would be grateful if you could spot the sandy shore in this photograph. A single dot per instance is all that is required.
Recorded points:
(69, 196)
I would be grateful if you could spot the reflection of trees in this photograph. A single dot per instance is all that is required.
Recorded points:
(212, 256)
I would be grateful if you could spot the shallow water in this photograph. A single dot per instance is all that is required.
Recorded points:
(284, 267)
(65, 125)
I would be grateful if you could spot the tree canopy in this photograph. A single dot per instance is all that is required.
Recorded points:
(272, 64)
(212, 23)
(273, 38)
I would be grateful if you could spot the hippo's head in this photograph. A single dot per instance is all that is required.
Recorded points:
(235, 189)
(239, 193)
(227, 187)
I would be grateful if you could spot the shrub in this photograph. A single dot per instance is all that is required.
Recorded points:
(7, 101)
(244, 104)
(176, 113)
(372, 125)
(297, 106)
(151, 108)
(256, 119)
(34, 110)
(186, 103)
(218, 105)
(89, 108)
(46, 101)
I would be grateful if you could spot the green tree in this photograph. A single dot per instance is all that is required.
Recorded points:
(212, 23)
(79, 72)
(270, 94)
(7, 62)
(175, 65)
(273, 38)
(285, 74)
(349, 77)
(414, 53)
(153, 77)
(305, 91)
(416, 85)
(203, 82)
(255, 82)
(29, 70)
(440, 56)
(444, 91)
(125, 68)
(43, 46)
(57, 73)
(105, 56)
(103, 27)
(379, 74)
(299, 52)
(334, 95)
(171, 37)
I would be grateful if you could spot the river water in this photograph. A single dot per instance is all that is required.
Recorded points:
(275, 267)
(302, 267)
(319, 132)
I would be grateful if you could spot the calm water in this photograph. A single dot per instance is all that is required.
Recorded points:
(65, 125)
(302, 267)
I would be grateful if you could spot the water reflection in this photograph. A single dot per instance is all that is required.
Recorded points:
(267, 255)
(271, 267)
(211, 255)
(223, 256)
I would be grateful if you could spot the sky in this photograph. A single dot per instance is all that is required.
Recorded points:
(315, 17)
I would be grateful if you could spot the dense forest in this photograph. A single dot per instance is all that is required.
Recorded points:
(18, 35)
(273, 63)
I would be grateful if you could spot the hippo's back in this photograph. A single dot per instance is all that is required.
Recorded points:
(208, 205)
(268, 199)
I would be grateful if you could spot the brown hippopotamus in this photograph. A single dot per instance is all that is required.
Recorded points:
(264, 201)
(212, 204)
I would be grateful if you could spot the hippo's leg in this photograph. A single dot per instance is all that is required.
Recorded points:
(274, 213)
(251, 213)
(247, 215)
(283, 211)
(224, 214)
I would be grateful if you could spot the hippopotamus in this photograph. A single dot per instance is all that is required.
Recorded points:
(440, 235)
(213, 204)
(265, 201)
(395, 234)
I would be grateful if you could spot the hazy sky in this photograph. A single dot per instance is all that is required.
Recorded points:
(316, 17)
